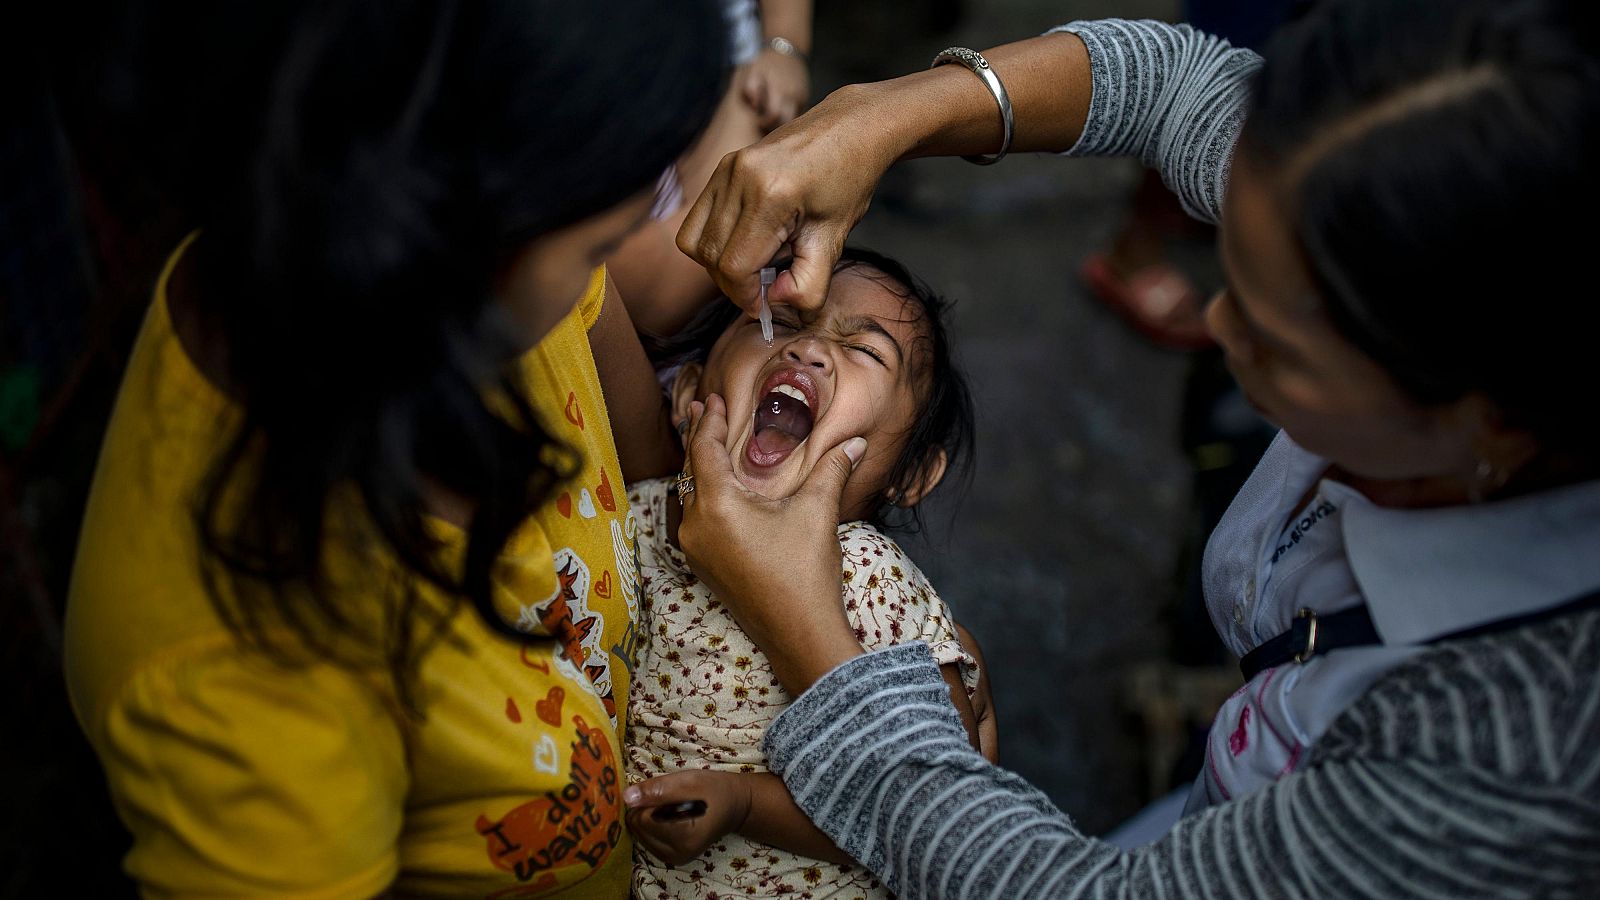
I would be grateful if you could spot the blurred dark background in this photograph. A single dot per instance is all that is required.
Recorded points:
(1100, 457)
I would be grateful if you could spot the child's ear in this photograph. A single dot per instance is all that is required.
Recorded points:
(684, 385)
(926, 477)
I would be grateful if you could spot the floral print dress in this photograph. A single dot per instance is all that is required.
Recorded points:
(703, 695)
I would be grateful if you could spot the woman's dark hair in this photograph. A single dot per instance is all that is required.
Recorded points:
(944, 417)
(362, 172)
(1440, 163)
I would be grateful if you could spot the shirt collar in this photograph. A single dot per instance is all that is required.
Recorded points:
(1426, 573)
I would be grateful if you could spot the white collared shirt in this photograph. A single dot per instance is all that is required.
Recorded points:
(1423, 573)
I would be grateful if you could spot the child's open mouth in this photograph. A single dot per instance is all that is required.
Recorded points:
(783, 421)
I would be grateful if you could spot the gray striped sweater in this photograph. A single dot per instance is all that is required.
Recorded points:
(1471, 770)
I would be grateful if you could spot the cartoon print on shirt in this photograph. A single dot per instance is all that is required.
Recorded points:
(624, 545)
(1239, 741)
(546, 758)
(549, 709)
(624, 549)
(1255, 750)
(566, 616)
(573, 411)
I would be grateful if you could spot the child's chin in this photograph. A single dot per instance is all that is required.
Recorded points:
(776, 482)
(751, 485)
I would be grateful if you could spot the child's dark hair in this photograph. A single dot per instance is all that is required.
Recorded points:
(945, 417)
(1426, 149)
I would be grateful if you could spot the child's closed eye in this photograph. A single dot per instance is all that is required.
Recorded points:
(871, 351)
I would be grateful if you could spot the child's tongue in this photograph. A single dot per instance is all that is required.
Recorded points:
(782, 423)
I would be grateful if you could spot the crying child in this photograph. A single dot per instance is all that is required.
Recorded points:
(874, 361)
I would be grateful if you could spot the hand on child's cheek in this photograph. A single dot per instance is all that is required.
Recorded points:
(775, 563)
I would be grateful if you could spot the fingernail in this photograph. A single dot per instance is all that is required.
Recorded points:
(632, 795)
(855, 448)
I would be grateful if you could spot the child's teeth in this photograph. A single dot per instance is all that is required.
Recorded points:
(790, 391)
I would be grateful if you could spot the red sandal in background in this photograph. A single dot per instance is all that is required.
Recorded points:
(1159, 301)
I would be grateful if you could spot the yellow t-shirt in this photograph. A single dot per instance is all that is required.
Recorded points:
(238, 775)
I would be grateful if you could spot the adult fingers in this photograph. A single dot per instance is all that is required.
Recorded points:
(732, 238)
(708, 452)
(750, 86)
(697, 410)
(804, 285)
(709, 224)
(825, 484)
(768, 214)
(685, 485)
(770, 106)
(762, 228)
(690, 429)
(801, 188)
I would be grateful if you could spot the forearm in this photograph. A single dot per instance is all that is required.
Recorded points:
(788, 19)
(641, 427)
(777, 820)
(809, 651)
(1171, 96)
(947, 111)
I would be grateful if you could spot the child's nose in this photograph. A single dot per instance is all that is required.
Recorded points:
(809, 350)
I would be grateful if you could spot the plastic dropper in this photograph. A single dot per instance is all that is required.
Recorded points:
(768, 275)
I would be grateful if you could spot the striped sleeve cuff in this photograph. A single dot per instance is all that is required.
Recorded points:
(876, 756)
(1169, 95)
(857, 699)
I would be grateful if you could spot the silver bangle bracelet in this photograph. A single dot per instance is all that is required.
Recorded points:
(974, 60)
(786, 47)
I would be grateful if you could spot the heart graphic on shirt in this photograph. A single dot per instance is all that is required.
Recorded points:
(586, 504)
(603, 586)
(1239, 741)
(564, 505)
(512, 713)
(549, 709)
(608, 501)
(545, 756)
(573, 411)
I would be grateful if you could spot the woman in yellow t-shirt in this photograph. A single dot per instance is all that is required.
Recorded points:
(353, 609)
